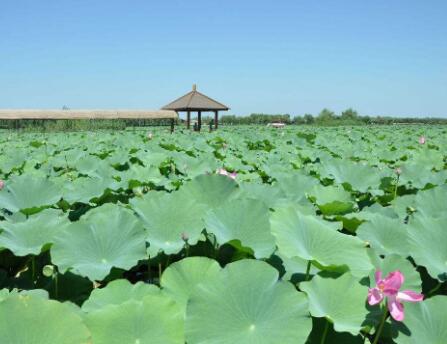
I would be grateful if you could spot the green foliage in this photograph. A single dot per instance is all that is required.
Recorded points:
(245, 303)
(340, 300)
(112, 237)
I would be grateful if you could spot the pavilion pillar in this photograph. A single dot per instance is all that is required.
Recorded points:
(188, 119)
(216, 119)
(172, 125)
(199, 120)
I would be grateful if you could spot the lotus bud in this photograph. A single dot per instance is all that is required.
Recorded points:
(422, 140)
(138, 191)
(2, 184)
(149, 135)
(48, 270)
(222, 172)
(398, 171)
(185, 236)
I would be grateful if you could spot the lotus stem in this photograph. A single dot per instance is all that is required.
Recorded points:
(159, 272)
(33, 269)
(306, 278)
(434, 290)
(382, 323)
(395, 188)
(56, 285)
(186, 249)
(326, 328)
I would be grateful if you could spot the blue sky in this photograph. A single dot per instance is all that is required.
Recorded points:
(380, 57)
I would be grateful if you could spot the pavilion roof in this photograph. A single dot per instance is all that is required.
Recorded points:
(195, 101)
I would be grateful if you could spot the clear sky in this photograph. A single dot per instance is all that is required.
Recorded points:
(381, 57)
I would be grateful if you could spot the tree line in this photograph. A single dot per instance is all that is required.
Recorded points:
(326, 117)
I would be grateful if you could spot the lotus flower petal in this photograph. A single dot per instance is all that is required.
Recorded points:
(378, 276)
(396, 309)
(394, 281)
(410, 296)
(374, 296)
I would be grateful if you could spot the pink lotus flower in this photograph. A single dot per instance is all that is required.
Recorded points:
(422, 140)
(224, 172)
(398, 171)
(2, 184)
(389, 288)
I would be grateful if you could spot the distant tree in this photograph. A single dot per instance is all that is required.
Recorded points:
(365, 119)
(298, 120)
(349, 114)
(326, 116)
(308, 118)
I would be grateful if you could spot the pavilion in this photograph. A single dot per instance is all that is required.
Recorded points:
(14, 114)
(195, 101)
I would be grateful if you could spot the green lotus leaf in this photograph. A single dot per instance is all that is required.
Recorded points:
(341, 300)
(180, 278)
(245, 221)
(416, 175)
(268, 194)
(156, 319)
(108, 236)
(35, 320)
(332, 200)
(11, 159)
(295, 268)
(40, 293)
(425, 322)
(430, 158)
(85, 189)
(193, 167)
(373, 211)
(403, 205)
(385, 235)
(151, 158)
(329, 194)
(166, 217)
(26, 192)
(71, 157)
(295, 186)
(86, 164)
(311, 238)
(142, 174)
(427, 241)
(332, 337)
(432, 202)
(235, 164)
(245, 303)
(33, 235)
(120, 157)
(118, 292)
(361, 177)
(210, 190)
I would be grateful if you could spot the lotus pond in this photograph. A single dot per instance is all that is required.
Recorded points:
(247, 235)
